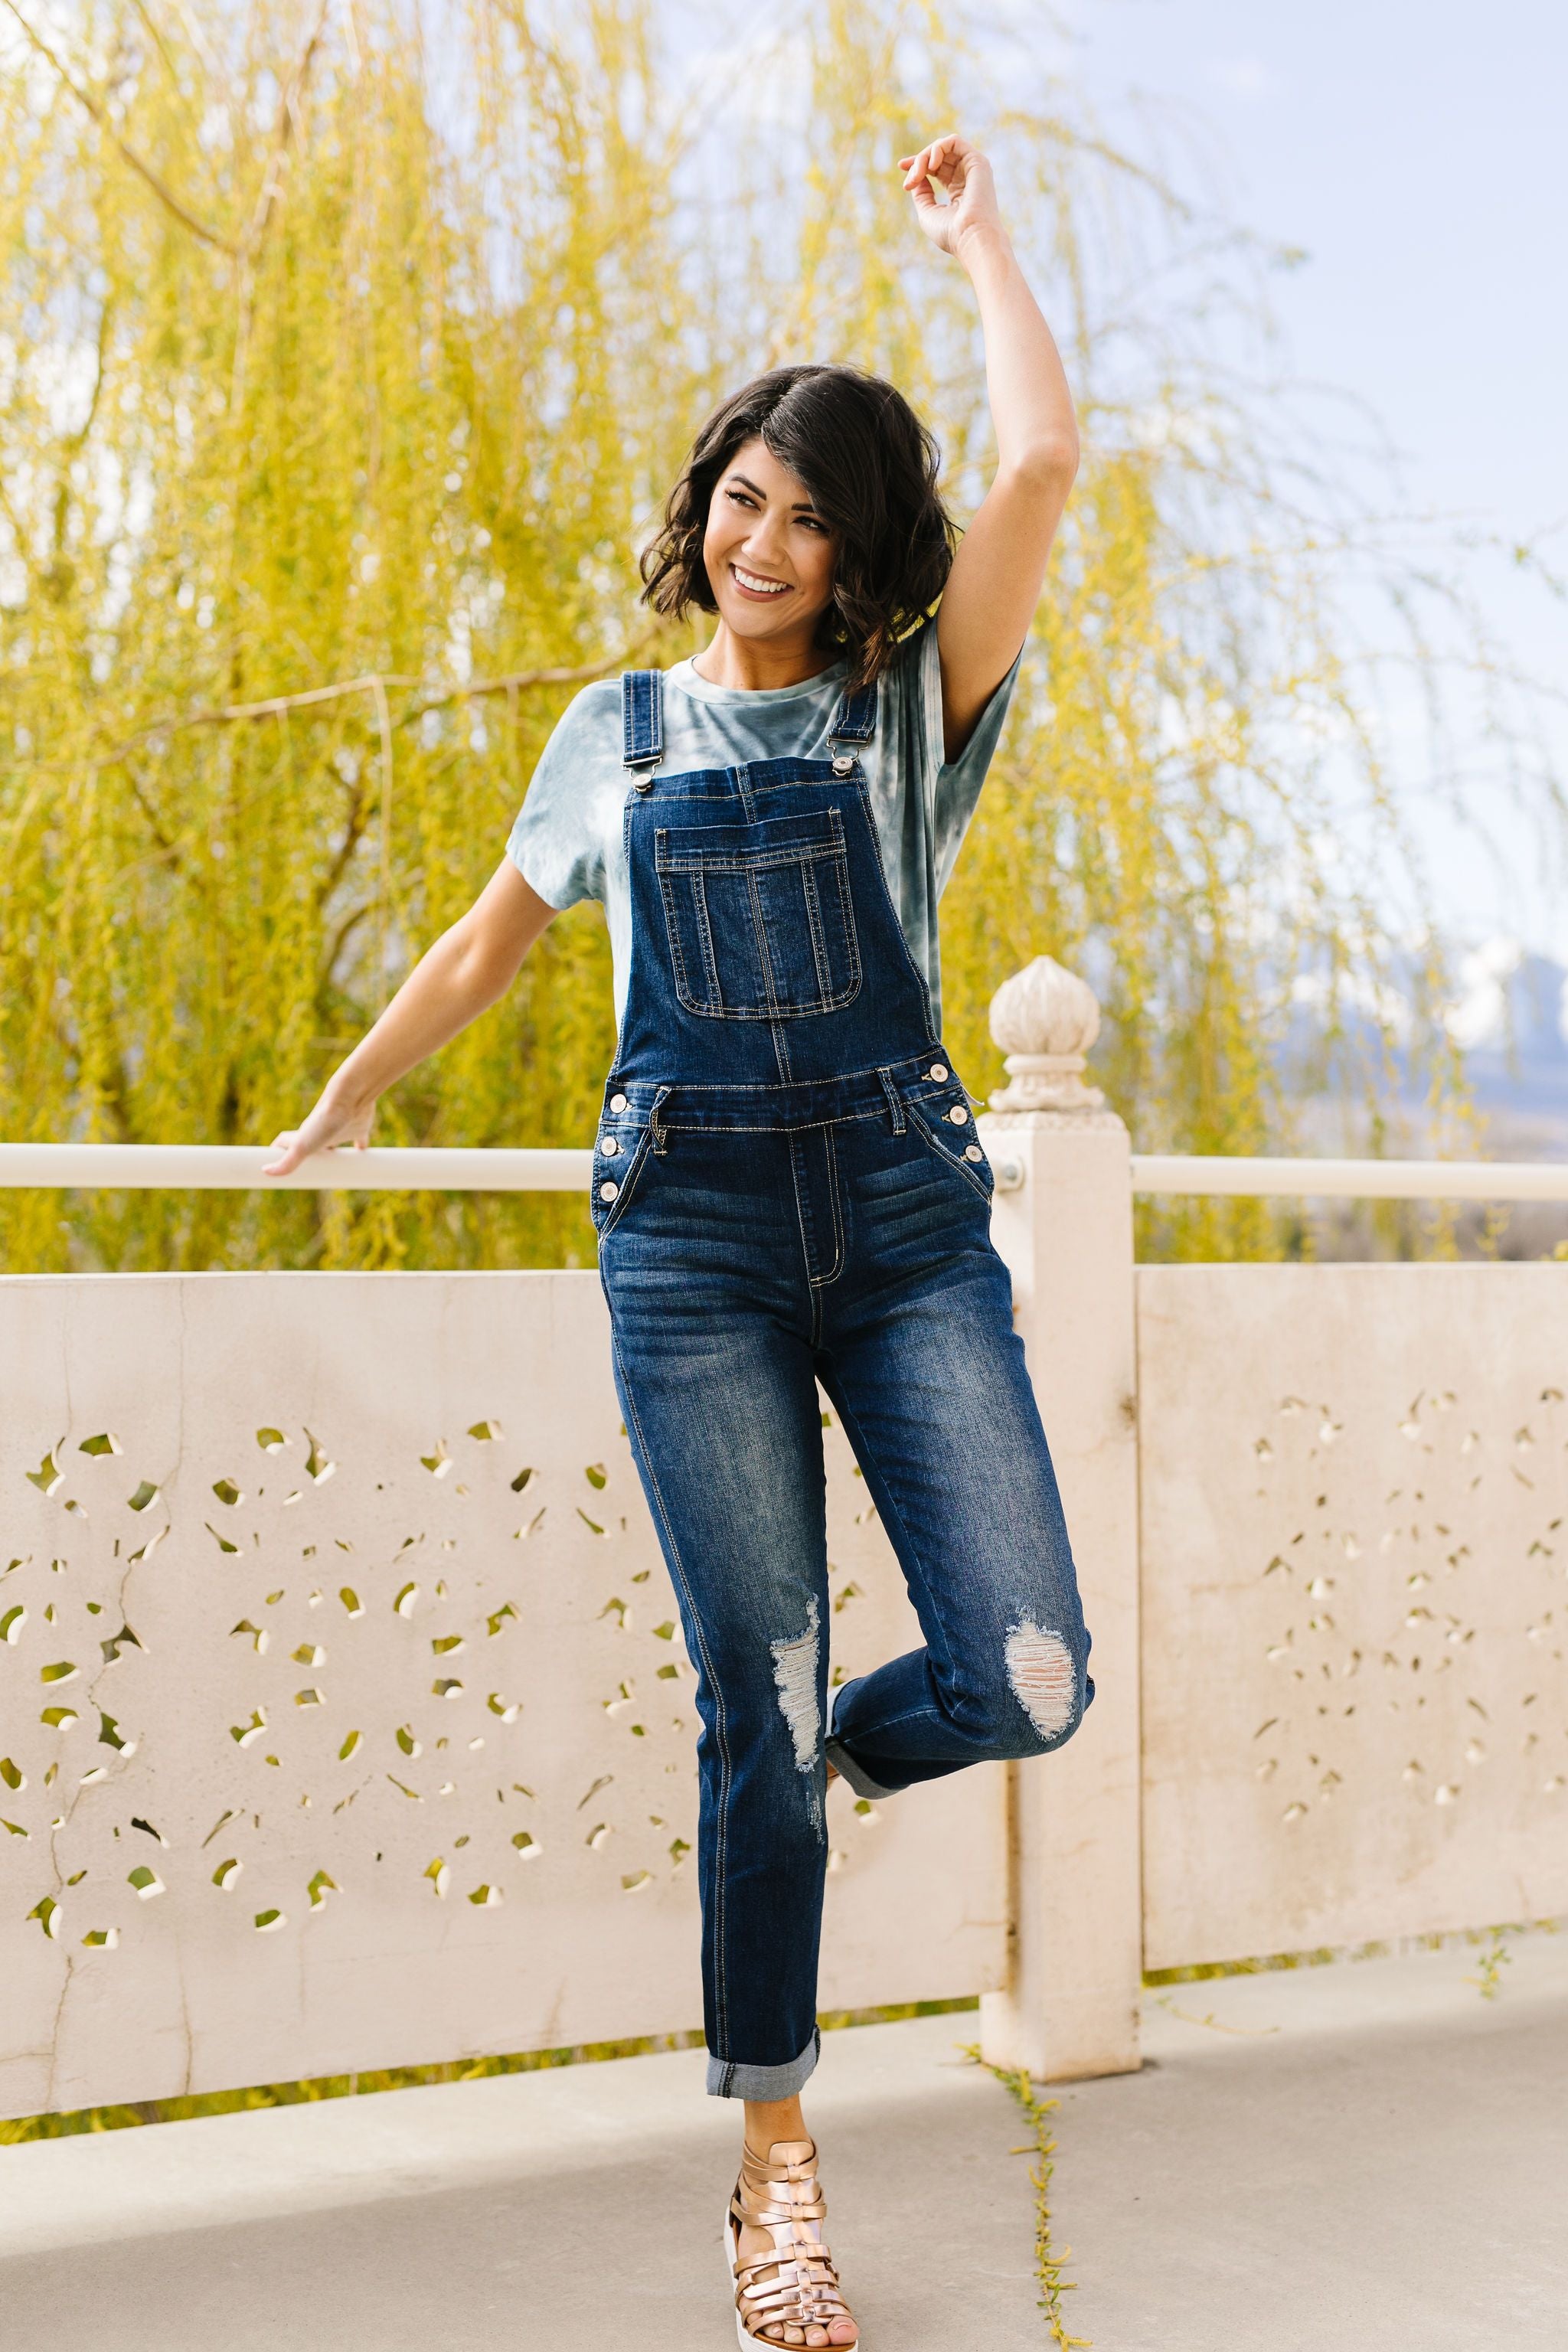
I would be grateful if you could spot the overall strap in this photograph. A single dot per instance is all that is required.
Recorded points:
(854, 720)
(642, 724)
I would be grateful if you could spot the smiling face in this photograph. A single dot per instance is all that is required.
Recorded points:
(767, 553)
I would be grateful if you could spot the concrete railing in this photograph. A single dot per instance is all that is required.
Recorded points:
(347, 1722)
(238, 1168)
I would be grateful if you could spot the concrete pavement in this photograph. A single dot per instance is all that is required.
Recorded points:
(1365, 2155)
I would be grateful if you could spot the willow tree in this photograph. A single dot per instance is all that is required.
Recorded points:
(347, 349)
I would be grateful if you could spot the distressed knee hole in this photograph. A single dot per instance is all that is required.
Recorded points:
(795, 1673)
(1044, 1681)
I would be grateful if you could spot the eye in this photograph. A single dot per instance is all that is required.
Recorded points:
(741, 499)
(811, 522)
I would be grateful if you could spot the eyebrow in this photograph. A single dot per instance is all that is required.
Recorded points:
(802, 505)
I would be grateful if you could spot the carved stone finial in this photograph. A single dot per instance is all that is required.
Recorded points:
(1045, 1020)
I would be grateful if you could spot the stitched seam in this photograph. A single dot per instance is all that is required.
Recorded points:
(873, 1070)
(818, 941)
(746, 861)
(705, 941)
(806, 1252)
(825, 845)
(760, 932)
(721, 1713)
(851, 936)
(672, 932)
(833, 1197)
(796, 1127)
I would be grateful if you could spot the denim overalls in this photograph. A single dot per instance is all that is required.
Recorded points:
(788, 1190)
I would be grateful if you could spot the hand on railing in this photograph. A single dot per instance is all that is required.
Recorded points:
(330, 1126)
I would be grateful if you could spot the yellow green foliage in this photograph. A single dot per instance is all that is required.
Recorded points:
(348, 353)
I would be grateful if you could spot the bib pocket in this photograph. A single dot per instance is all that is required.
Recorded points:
(759, 916)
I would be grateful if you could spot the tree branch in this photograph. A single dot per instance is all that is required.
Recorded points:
(84, 98)
(374, 681)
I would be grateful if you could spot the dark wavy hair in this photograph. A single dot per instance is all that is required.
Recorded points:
(870, 467)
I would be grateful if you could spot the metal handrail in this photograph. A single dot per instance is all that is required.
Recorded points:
(236, 1167)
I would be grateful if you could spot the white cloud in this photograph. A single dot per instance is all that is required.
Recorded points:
(1479, 1014)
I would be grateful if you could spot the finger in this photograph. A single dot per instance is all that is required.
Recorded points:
(915, 169)
(950, 171)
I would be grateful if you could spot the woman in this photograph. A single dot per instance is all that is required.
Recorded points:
(787, 1186)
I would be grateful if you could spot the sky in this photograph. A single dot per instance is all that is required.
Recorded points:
(1417, 153)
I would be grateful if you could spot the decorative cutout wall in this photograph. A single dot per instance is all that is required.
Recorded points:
(1354, 1501)
(345, 1716)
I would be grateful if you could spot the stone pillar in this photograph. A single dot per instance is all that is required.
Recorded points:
(1063, 1222)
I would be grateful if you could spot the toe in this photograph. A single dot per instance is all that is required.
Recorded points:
(842, 2331)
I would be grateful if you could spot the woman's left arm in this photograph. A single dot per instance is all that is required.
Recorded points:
(994, 584)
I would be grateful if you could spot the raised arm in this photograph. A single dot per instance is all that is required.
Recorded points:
(990, 597)
(461, 976)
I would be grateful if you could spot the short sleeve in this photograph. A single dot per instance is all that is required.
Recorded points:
(558, 842)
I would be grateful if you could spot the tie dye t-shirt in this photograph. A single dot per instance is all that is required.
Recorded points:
(569, 842)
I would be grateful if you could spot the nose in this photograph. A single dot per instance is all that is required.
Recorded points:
(762, 544)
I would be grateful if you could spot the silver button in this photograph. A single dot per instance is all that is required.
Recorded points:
(842, 766)
(959, 1116)
(973, 1151)
(937, 1074)
(609, 1191)
(618, 1102)
(608, 1146)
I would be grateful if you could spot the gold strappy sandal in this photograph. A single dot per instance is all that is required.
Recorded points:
(793, 2286)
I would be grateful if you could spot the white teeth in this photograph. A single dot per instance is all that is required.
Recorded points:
(763, 587)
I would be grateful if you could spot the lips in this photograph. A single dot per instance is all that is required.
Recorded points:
(757, 586)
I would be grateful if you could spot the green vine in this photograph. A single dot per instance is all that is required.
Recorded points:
(1043, 2149)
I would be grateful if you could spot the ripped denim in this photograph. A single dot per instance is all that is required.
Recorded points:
(743, 1267)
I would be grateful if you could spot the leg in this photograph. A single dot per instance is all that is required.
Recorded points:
(714, 1371)
(930, 1381)
(716, 1382)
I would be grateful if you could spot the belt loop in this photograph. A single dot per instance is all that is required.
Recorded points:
(895, 1100)
(658, 1133)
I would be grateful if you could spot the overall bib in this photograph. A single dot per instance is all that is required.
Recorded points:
(788, 1190)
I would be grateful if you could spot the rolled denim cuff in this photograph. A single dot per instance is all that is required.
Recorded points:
(729, 2080)
(859, 1780)
(843, 1763)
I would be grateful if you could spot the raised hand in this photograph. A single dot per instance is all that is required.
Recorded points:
(955, 164)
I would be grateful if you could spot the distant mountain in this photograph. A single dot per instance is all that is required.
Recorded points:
(1507, 1015)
